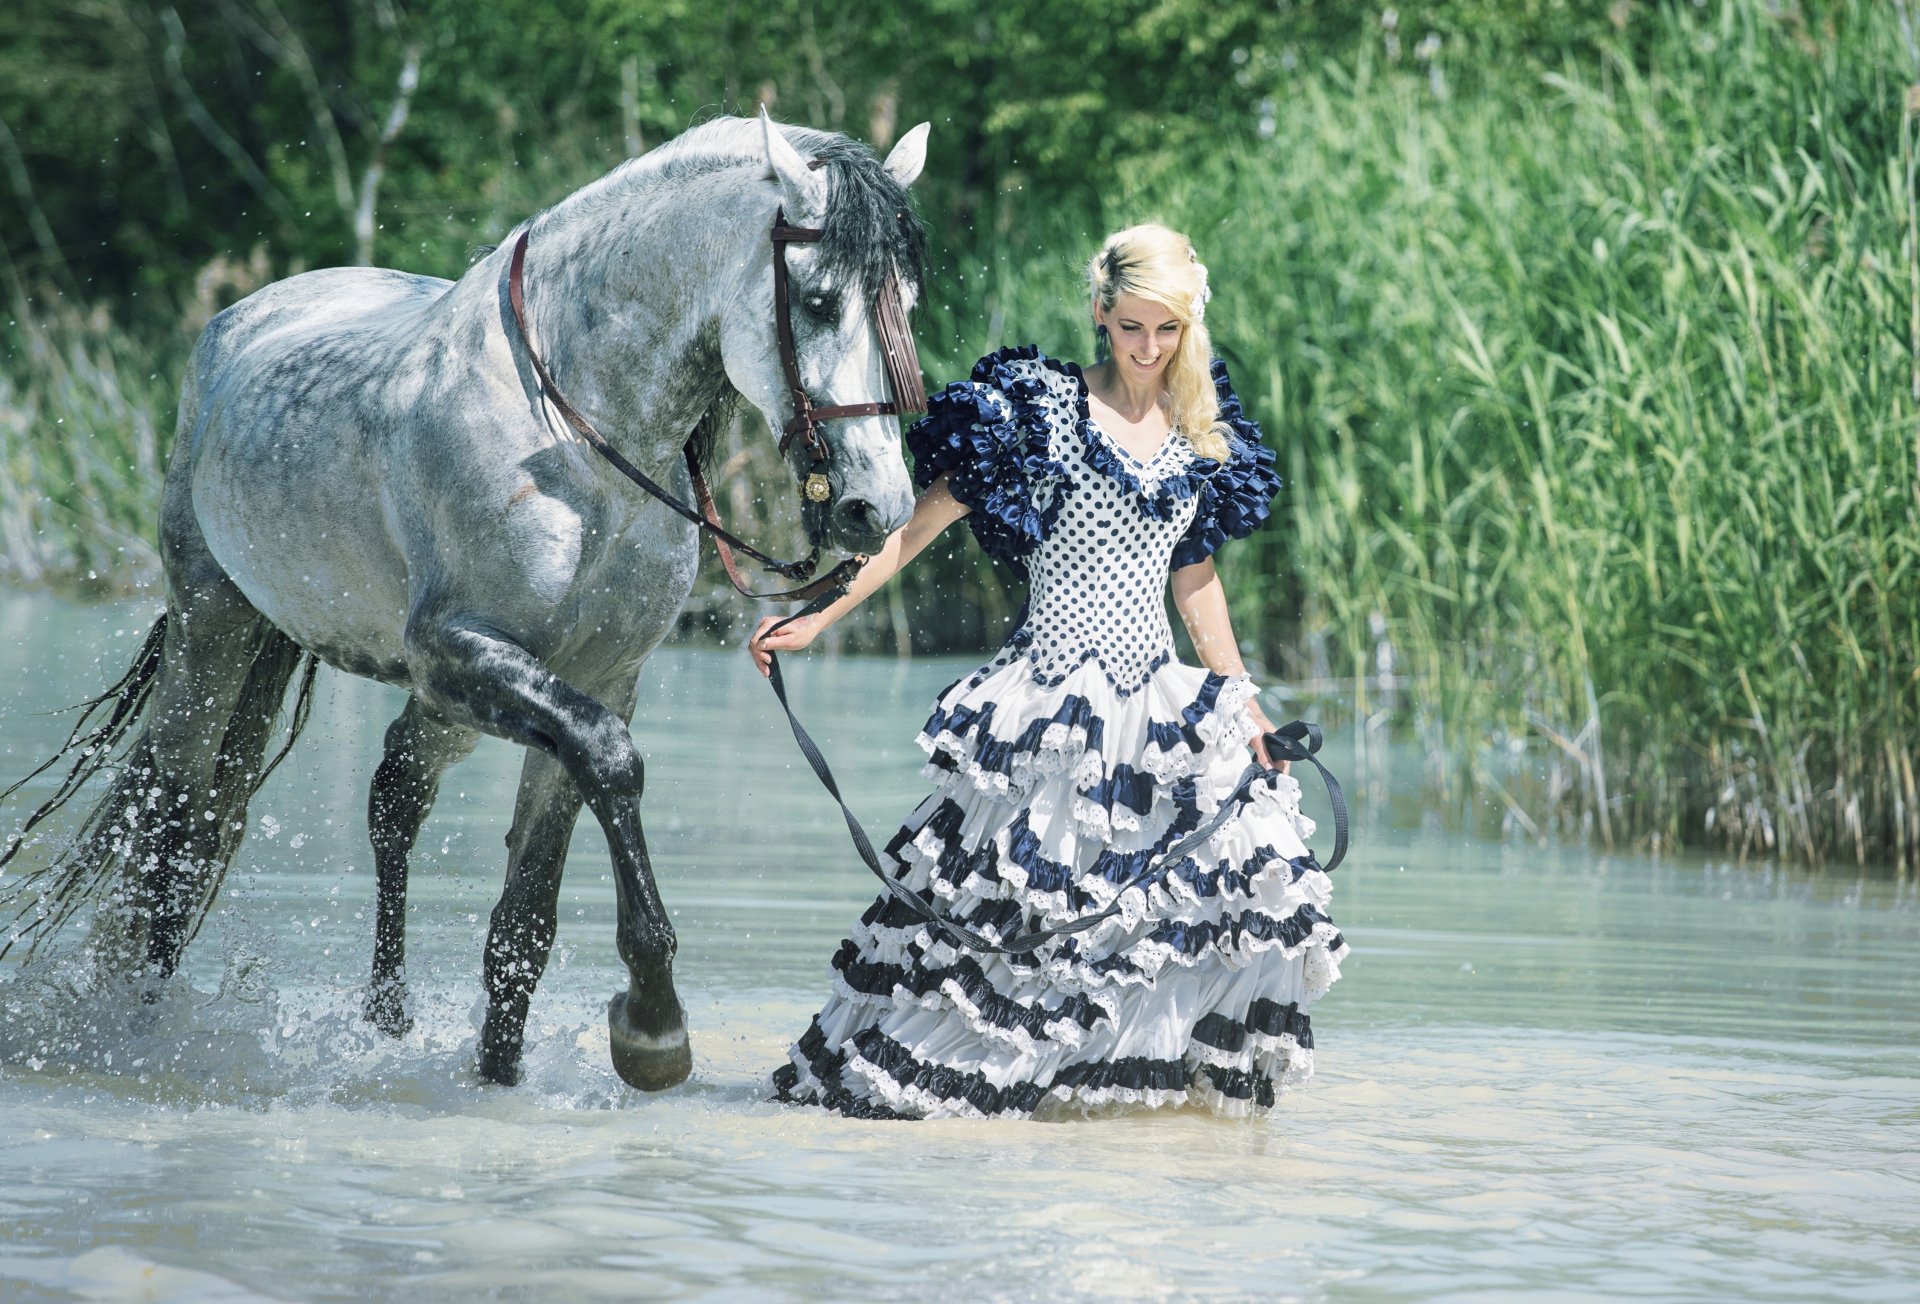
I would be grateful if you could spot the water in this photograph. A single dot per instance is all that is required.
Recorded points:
(1546, 1073)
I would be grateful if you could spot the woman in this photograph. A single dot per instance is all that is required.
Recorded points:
(1083, 748)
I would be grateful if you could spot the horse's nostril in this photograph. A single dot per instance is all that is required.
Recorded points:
(857, 514)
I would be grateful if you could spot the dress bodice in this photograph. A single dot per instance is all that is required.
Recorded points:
(1099, 577)
(1096, 528)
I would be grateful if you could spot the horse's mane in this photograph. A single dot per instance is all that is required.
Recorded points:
(871, 228)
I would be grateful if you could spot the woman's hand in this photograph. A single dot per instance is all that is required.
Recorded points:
(789, 639)
(933, 512)
(1259, 743)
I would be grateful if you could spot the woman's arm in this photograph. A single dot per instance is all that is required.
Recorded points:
(1201, 600)
(935, 510)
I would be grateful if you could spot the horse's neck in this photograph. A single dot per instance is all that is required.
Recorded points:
(624, 287)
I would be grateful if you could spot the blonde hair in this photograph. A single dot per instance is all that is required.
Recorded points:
(1153, 262)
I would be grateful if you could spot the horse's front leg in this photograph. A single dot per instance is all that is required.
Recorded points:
(479, 677)
(520, 935)
(419, 748)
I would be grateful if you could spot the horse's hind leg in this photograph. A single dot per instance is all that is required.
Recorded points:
(520, 936)
(419, 748)
(223, 673)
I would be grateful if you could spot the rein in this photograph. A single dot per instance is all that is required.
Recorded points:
(1298, 741)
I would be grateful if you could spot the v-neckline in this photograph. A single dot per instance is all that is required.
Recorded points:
(1112, 440)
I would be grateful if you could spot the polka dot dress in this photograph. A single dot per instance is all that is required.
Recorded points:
(1099, 582)
(1061, 768)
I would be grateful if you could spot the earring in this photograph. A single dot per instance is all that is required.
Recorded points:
(1101, 344)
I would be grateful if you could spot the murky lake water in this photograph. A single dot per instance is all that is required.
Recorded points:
(1545, 1072)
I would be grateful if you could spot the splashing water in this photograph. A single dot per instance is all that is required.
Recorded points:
(1545, 1071)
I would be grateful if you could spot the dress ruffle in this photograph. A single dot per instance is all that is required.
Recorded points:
(1000, 437)
(1159, 493)
(990, 435)
(1195, 992)
(1003, 731)
(1235, 495)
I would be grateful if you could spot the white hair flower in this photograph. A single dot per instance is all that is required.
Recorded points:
(1198, 304)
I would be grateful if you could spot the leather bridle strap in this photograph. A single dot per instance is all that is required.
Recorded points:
(707, 518)
(903, 365)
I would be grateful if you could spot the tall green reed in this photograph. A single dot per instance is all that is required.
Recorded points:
(1589, 386)
(1593, 397)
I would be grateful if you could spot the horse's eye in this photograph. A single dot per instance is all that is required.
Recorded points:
(825, 307)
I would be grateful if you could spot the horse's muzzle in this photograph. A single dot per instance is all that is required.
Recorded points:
(856, 525)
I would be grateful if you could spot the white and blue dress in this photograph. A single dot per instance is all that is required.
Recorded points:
(1059, 768)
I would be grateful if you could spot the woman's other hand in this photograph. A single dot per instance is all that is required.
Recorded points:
(790, 638)
(1259, 743)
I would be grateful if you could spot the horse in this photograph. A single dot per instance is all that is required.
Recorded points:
(368, 472)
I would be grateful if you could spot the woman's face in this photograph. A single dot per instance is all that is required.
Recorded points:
(1144, 335)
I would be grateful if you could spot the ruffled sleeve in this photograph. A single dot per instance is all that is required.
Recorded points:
(990, 436)
(1235, 494)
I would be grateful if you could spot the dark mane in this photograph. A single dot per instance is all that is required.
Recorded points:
(871, 228)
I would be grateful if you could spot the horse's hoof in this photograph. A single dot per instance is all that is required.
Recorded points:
(500, 1044)
(500, 1072)
(386, 1009)
(499, 1069)
(651, 1061)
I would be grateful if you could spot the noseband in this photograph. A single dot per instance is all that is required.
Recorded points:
(903, 379)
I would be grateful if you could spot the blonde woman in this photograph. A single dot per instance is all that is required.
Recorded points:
(1081, 749)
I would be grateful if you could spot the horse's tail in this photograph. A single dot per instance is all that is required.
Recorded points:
(126, 836)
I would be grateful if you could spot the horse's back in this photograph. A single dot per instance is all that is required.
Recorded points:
(303, 310)
(271, 467)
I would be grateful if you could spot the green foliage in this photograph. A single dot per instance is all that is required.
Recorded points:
(1581, 327)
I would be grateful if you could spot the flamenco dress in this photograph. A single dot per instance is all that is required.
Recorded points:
(1059, 769)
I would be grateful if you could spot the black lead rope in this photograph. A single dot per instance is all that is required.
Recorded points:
(1298, 741)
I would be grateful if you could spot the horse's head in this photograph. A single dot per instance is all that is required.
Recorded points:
(870, 243)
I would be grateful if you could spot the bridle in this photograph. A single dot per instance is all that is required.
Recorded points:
(902, 363)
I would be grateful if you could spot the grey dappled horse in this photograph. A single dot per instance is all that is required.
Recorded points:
(365, 472)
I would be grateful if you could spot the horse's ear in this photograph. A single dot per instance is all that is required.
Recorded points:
(909, 155)
(804, 190)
